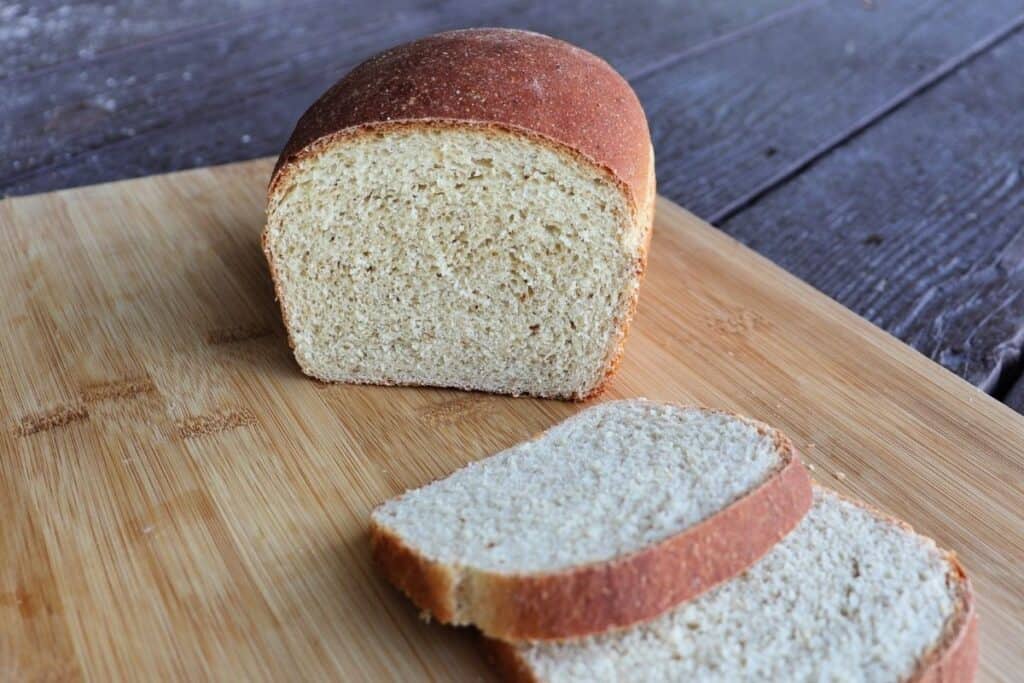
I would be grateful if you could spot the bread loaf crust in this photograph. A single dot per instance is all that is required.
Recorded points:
(501, 82)
(510, 78)
(612, 594)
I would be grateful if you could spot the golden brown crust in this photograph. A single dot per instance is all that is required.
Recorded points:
(431, 585)
(515, 79)
(499, 80)
(614, 594)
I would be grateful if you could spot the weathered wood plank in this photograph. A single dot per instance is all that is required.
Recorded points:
(637, 37)
(918, 224)
(234, 91)
(730, 119)
(43, 33)
(153, 94)
(724, 121)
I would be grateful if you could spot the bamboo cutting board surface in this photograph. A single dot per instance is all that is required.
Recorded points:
(179, 502)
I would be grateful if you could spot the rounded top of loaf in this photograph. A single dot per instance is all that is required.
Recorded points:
(504, 78)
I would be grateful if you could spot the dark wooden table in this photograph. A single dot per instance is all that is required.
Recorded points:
(875, 148)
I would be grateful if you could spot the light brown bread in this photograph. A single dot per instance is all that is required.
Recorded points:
(605, 536)
(471, 209)
(851, 594)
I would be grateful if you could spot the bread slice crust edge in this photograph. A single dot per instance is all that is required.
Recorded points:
(954, 659)
(613, 594)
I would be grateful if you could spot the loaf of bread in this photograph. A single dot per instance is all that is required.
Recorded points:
(608, 519)
(468, 210)
(850, 595)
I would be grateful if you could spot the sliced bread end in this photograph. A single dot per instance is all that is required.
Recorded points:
(729, 633)
(615, 593)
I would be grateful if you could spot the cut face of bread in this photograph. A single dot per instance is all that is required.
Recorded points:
(471, 209)
(849, 595)
(454, 255)
(607, 519)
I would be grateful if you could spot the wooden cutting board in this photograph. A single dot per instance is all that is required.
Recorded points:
(179, 502)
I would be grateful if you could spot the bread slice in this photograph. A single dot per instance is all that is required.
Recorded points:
(468, 210)
(850, 595)
(606, 520)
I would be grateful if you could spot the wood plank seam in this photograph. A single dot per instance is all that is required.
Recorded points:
(719, 41)
(1009, 370)
(807, 160)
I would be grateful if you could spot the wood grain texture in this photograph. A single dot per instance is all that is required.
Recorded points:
(206, 516)
(730, 120)
(780, 102)
(930, 247)
(222, 91)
